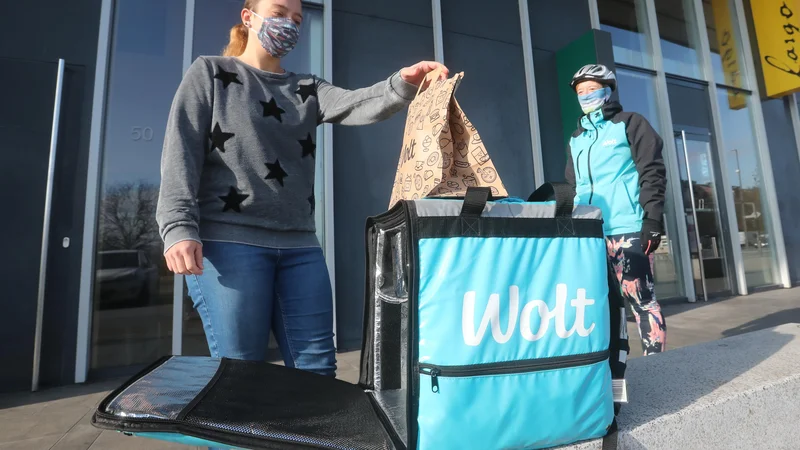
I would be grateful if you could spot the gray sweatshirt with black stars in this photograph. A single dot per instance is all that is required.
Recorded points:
(239, 153)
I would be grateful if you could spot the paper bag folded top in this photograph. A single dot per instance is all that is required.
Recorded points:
(442, 153)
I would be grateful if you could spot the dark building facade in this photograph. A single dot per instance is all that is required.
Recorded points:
(109, 303)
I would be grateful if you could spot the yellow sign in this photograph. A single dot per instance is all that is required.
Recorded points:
(777, 25)
(728, 52)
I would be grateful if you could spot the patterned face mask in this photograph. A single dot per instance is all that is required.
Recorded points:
(278, 35)
(595, 100)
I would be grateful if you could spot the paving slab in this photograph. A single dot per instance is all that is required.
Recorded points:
(30, 444)
(81, 436)
(741, 392)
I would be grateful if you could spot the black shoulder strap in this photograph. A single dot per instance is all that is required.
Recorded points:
(562, 193)
(475, 201)
(610, 439)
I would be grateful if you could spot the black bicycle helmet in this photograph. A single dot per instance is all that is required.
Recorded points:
(595, 72)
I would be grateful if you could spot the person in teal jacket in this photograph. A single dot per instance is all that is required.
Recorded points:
(617, 166)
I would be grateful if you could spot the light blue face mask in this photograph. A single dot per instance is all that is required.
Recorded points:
(593, 101)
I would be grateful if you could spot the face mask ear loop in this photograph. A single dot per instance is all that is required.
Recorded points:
(249, 25)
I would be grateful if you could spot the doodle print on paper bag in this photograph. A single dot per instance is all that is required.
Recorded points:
(452, 154)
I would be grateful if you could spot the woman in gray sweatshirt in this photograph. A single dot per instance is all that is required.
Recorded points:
(236, 206)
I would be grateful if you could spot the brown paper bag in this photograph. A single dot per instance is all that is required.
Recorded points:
(442, 152)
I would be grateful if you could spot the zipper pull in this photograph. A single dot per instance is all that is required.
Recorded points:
(435, 380)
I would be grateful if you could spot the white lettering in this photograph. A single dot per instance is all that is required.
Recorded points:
(609, 142)
(525, 320)
(492, 316)
(580, 305)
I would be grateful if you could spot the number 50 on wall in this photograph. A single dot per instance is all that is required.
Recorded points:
(142, 133)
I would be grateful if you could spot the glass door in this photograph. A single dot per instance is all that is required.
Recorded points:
(132, 305)
(701, 211)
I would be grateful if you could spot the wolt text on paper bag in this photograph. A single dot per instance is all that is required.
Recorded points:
(442, 153)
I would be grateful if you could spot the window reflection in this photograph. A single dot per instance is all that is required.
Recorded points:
(680, 44)
(725, 44)
(132, 322)
(626, 21)
(744, 173)
(498, 109)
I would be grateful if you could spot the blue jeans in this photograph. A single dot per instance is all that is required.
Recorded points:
(246, 291)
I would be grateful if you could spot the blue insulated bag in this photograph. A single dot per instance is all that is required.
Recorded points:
(488, 325)
(492, 325)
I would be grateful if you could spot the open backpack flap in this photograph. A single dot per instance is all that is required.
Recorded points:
(488, 325)
(505, 316)
(241, 404)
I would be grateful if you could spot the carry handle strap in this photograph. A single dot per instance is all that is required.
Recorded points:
(430, 77)
(562, 193)
(475, 201)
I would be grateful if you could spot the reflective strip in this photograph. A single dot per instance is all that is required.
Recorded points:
(451, 208)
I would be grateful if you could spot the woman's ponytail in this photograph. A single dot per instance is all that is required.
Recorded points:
(238, 41)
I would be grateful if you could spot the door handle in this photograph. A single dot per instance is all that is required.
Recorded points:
(699, 244)
(48, 208)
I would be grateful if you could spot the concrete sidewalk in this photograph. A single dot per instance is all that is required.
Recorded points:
(59, 418)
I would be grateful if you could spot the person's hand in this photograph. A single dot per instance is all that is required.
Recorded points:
(651, 235)
(185, 258)
(416, 74)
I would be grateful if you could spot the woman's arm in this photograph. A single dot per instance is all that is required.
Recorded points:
(185, 146)
(375, 103)
(366, 105)
(646, 147)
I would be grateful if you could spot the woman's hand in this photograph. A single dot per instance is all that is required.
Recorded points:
(416, 74)
(185, 258)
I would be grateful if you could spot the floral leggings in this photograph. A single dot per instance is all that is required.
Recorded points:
(635, 274)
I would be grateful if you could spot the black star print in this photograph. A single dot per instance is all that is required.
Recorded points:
(227, 77)
(309, 148)
(312, 201)
(233, 201)
(306, 90)
(271, 109)
(276, 172)
(218, 138)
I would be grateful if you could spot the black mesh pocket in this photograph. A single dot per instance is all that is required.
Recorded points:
(259, 405)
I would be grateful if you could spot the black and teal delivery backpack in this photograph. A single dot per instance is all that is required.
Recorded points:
(488, 325)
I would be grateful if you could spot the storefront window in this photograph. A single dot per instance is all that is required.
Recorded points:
(745, 175)
(637, 93)
(132, 317)
(679, 41)
(724, 41)
(626, 21)
(498, 106)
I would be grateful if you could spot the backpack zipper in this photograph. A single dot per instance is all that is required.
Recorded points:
(589, 158)
(510, 367)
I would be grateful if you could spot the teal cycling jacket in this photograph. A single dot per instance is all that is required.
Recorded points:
(617, 166)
